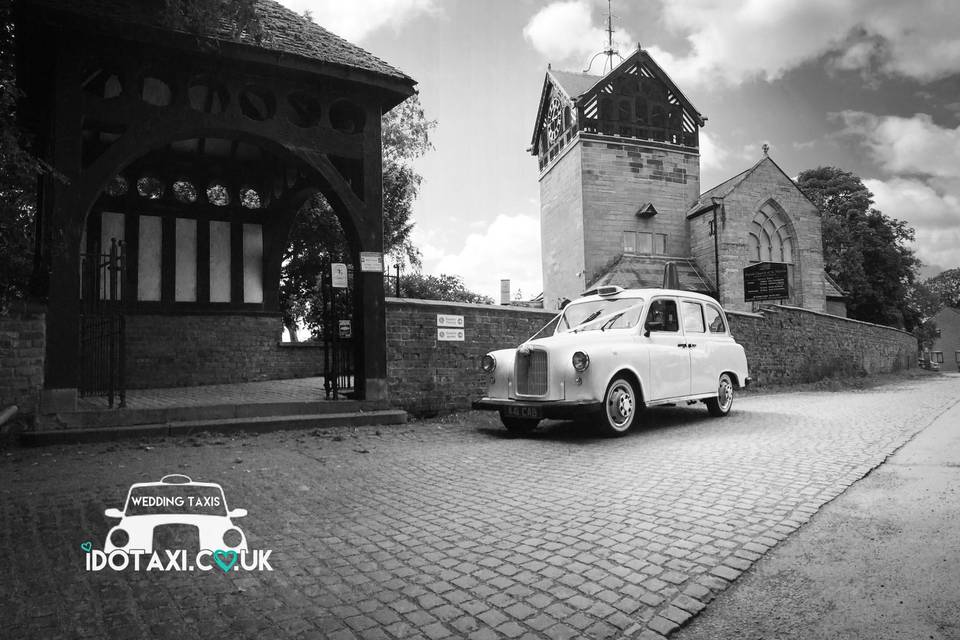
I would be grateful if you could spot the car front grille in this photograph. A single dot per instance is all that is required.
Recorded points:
(531, 373)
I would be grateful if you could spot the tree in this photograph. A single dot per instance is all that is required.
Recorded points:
(865, 251)
(442, 287)
(317, 238)
(946, 287)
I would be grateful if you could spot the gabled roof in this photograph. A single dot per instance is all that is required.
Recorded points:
(830, 287)
(641, 272)
(578, 85)
(284, 31)
(705, 201)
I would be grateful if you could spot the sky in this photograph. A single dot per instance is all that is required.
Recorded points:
(870, 86)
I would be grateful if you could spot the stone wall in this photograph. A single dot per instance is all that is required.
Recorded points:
(426, 376)
(788, 345)
(22, 340)
(184, 350)
(561, 227)
(784, 345)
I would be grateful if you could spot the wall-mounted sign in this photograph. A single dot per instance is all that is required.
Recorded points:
(450, 335)
(345, 329)
(766, 281)
(449, 321)
(371, 261)
(338, 275)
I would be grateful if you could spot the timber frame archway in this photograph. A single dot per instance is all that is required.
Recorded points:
(117, 98)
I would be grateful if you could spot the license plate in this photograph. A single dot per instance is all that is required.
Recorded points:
(522, 412)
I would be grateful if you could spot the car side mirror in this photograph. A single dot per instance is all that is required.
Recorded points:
(237, 513)
(113, 513)
(652, 325)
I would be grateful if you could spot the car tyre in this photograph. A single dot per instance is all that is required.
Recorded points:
(621, 404)
(519, 426)
(721, 405)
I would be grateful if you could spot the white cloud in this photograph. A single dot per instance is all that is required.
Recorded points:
(712, 155)
(509, 247)
(565, 34)
(934, 214)
(356, 19)
(907, 145)
(734, 42)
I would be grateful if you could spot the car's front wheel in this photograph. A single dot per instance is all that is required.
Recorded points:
(621, 404)
(721, 405)
(519, 425)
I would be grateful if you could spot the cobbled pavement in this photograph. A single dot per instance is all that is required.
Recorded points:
(451, 528)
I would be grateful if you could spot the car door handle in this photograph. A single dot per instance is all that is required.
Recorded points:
(691, 346)
(683, 346)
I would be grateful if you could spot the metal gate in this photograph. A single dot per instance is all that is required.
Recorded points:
(103, 325)
(338, 335)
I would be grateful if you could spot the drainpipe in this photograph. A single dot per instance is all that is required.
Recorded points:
(717, 205)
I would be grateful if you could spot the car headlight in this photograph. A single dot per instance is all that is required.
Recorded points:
(119, 538)
(580, 361)
(488, 363)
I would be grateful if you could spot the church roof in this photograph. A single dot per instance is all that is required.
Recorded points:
(830, 287)
(705, 201)
(637, 272)
(580, 86)
(284, 31)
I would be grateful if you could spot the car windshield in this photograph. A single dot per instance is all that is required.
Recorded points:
(177, 499)
(619, 313)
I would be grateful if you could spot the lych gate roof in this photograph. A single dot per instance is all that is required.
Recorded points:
(284, 31)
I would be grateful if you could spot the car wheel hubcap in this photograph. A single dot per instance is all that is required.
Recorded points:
(725, 393)
(620, 404)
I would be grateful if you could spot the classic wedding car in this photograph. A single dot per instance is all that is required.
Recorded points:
(614, 351)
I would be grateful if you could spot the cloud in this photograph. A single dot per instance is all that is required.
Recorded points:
(734, 42)
(356, 19)
(509, 247)
(913, 145)
(564, 33)
(712, 155)
(934, 214)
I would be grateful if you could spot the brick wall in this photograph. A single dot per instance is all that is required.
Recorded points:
(426, 376)
(22, 340)
(173, 351)
(787, 345)
(784, 345)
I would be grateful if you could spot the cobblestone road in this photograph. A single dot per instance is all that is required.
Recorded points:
(450, 529)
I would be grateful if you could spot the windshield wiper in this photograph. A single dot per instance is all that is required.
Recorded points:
(592, 316)
(612, 319)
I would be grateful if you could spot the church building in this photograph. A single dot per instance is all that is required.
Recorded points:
(620, 197)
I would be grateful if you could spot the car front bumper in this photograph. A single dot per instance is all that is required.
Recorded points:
(545, 409)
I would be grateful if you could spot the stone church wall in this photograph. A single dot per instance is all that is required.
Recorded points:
(22, 344)
(561, 228)
(765, 183)
(620, 175)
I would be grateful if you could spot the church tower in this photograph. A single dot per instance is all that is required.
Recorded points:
(619, 168)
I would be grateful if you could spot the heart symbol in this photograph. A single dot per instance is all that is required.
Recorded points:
(220, 557)
(86, 546)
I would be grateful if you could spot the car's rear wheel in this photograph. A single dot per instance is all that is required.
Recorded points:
(721, 405)
(519, 425)
(621, 404)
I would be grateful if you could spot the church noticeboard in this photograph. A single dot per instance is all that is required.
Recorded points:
(765, 281)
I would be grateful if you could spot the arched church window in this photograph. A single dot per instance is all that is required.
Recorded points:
(770, 238)
(184, 191)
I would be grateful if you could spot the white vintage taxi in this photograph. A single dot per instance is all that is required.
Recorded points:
(614, 351)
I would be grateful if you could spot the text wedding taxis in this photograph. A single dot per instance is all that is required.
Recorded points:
(614, 351)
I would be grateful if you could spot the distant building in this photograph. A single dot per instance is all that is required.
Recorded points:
(620, 196)
(948, 336)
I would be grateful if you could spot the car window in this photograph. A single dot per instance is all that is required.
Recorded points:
(662, 316)
(715, 320)
(692, 317)
(581, 315)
